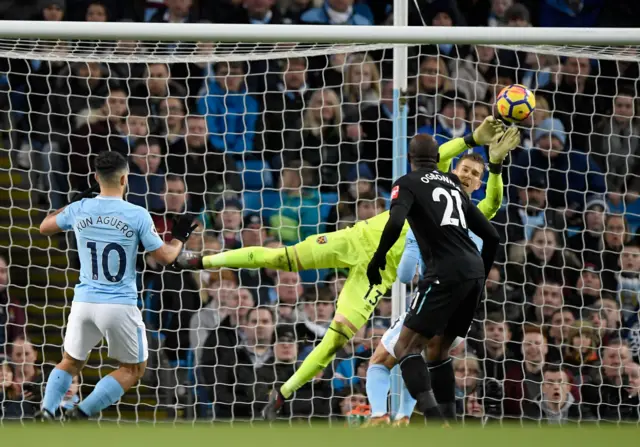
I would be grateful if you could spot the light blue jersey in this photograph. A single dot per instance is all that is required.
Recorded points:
(108, 231)
(411, 258)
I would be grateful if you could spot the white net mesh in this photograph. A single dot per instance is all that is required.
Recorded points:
(271, 144)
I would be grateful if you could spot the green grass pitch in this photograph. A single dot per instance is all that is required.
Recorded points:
(260, 435)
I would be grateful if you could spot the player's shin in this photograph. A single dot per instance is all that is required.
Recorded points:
(336, 337)
(58, 384)
(253, 257)
(416, 376)
(378, 384)
(107, 392)
(443, 382)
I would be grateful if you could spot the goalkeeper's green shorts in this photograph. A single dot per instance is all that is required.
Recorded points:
(346, 249)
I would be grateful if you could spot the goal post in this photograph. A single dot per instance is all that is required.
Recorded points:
(98, 93)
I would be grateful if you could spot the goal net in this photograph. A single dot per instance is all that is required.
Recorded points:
(271, 143)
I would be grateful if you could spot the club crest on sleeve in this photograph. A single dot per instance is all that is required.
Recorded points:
(153, 230)
(321, 240)
(394, 192)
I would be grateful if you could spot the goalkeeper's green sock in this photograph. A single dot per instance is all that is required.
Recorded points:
(336, 337)
(253, 258)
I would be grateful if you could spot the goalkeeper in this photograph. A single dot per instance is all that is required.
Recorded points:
(470, 171)
(350, 248)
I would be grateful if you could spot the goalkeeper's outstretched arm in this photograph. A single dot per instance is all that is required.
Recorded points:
(490, 130)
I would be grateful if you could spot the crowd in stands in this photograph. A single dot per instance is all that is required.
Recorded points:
(271, 152)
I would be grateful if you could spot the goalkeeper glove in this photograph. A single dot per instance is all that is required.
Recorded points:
(490, 130)
(499, 149)
(376, 264)
(88, 193)
(182, 228)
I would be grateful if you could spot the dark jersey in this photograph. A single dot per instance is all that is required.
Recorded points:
(440, 215)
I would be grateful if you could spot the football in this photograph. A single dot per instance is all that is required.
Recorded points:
(515, 103)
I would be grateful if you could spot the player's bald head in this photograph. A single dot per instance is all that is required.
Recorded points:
(423, 151)
(110, 167)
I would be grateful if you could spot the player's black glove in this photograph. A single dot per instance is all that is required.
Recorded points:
(188, 261)
(182, 228)
(376, 264)
(88, 193)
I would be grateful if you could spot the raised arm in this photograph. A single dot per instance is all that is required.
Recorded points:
(488, 131)
(498, 151)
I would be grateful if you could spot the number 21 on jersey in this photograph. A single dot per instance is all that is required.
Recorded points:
(450, 197)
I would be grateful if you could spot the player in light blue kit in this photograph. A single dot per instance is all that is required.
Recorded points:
(470, 169)
(108, 231)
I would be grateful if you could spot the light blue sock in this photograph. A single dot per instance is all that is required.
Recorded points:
(58, 384)
(107, 392)
(378, 384)
(407, 403)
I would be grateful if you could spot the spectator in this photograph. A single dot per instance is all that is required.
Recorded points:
(176, 11)
(231, 113)
(468, 377)
(503, 297)
(223, 301)
(315, 314)
(628, 280)
(615, 236)
(375, 147)
(298, 217)
(284, 108)
(338, 12)
(157, 87)
(558, 406)
(228, 222)
(498, 13)
(175, 202)
(615, 143)
(522, 385)
(603, 391)
(570, 173)
(321, 142)
(472, 73)
(589, 243)
(207, 173)
(580, 355)
(368, 206)
(52, 11)
(562, 320)
(231, 359)
(546, 300)
(571, 98)
(287, 290)
(361, 87)
(494, 352)
(433, 79)
(606, 317)
(172, 126)
(517, 221)
(146, 176)
(109, 113)
(540, 259)
(96, 12)
(13, 317)
(27, 379)
(588, 288)
(517, 16)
